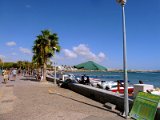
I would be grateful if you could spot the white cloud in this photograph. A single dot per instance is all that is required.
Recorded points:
(69, 53)
(2, 57)
(101, 56)
(84, 51)
(25, 50)
(11, 43)
(81, 49)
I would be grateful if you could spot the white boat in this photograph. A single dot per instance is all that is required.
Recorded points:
(94, 81)
(114, 87)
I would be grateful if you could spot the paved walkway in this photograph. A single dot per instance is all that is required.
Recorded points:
(31, 100)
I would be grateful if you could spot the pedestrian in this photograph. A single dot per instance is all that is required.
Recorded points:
(5, 76)
(24, 72)
(14, 74)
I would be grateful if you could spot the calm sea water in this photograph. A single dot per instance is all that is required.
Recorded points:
(152, 78)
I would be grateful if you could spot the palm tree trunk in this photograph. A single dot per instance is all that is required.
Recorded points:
(44, 71)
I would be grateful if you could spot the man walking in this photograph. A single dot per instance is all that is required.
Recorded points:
(14, 74)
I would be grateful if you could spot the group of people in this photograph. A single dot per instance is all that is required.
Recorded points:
(84, 80)
(9, 73)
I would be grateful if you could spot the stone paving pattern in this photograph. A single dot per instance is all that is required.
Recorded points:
(33, 100)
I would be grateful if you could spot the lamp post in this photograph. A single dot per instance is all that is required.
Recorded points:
(126, 105)
(55, 65)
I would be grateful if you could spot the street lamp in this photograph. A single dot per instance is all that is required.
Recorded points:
(55, 65)
(126, 105)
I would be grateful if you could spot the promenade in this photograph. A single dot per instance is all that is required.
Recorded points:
(31, 100)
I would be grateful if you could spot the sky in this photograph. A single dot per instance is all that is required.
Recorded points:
(87, 30)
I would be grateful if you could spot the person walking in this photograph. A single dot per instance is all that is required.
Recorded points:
(14, 74)
(5, 76)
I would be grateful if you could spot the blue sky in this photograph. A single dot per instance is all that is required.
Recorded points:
(87, 30)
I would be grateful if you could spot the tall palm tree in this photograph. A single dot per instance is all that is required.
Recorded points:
(37, 59)
(44, 48)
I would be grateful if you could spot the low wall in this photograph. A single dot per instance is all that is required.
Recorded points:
(50, 79)
(100, 95)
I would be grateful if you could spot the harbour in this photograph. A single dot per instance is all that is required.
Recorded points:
(152, 78)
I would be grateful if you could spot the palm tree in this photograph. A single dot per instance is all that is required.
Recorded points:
(19, 64)
(44, 48)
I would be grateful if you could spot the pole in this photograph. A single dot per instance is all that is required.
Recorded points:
(126, 105)
(55, 82)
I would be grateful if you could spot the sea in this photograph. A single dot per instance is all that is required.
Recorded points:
(152, 78)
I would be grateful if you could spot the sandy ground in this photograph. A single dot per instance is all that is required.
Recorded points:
(31, 100)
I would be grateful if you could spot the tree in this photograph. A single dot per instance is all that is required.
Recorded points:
(44, 47)
(19, 64)
(1, 60)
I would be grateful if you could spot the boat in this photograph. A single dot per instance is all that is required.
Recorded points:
(62, 79)
(94, 81)
(115, 86)
(86, 80)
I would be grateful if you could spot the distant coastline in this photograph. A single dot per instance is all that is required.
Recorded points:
(120, 70)
(115, 70)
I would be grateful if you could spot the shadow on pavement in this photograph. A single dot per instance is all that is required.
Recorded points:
(87, 103)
